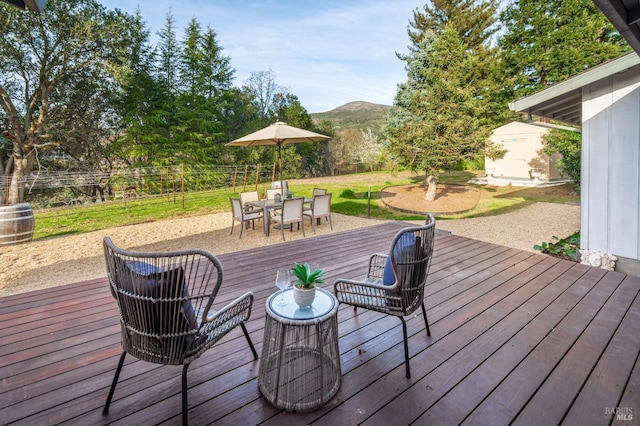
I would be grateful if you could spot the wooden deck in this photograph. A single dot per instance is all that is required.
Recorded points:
(516, 337)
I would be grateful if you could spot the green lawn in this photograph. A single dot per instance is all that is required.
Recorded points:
(349, 198)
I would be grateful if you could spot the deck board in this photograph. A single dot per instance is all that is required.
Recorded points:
(609, 378)
(516, 336)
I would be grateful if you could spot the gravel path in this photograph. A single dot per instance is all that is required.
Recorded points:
(62, 260)
(522, 228)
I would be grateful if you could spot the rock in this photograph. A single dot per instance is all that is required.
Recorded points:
(597, 258)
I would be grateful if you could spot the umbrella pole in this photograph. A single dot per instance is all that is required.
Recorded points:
(281, 225)
(280, 167)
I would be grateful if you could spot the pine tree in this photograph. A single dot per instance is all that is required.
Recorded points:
(217, 71)
(141, 101)
(198, 134)
(169, 57)
(474, 21)
(547, 41)
(434, 123)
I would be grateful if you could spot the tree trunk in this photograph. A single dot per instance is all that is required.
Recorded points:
(431, 183)
(22, 169)
(24, 138)
(4, 189)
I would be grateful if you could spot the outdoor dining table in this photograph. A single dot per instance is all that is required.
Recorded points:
(267, 205)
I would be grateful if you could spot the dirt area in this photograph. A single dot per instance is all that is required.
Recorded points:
(410, 198)
(450, 199)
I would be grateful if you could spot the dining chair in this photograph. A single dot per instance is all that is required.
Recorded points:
(394, 284)
(290, 213)
(243, 216)
(272, 192)
(320, 207)
(285, 186)
(165, 309)
(247, 197)
(318, 191)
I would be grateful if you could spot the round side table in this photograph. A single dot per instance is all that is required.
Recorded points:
(300, 363)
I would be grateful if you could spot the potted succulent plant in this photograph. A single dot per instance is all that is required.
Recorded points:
(304, 287)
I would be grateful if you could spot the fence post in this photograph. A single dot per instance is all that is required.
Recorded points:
(273, 173)
(173, 184)
(182, 166)
(235, 178)
(244, 182)
(166, 181)
(257, 175)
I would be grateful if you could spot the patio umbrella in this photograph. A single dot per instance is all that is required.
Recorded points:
(277, 134)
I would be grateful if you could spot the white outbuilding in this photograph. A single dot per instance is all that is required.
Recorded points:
(525, 159)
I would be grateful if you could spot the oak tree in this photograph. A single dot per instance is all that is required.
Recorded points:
(45, 57)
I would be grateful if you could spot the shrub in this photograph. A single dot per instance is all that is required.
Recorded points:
(347, 193)
(569, 144)
(566, 248)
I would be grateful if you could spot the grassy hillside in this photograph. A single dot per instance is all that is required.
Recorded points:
(356, 116)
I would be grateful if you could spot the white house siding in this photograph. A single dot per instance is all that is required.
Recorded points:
(610, 187)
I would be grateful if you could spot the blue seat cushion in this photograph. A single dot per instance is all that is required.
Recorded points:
(405, 244)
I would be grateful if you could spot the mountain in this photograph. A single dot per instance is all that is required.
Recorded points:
(355, 115)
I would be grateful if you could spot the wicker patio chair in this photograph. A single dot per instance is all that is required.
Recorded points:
(394, 284)
(242, 216)
(291, 213)
(320, 207)
(165, 307)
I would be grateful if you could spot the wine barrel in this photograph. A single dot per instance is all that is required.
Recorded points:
(16, 224)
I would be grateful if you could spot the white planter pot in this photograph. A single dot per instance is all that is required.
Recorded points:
(304, 297)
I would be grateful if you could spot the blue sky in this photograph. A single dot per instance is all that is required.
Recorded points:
(327, 53)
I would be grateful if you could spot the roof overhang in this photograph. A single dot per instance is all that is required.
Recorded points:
(625, 16)
(563, 101)
(35, 5)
